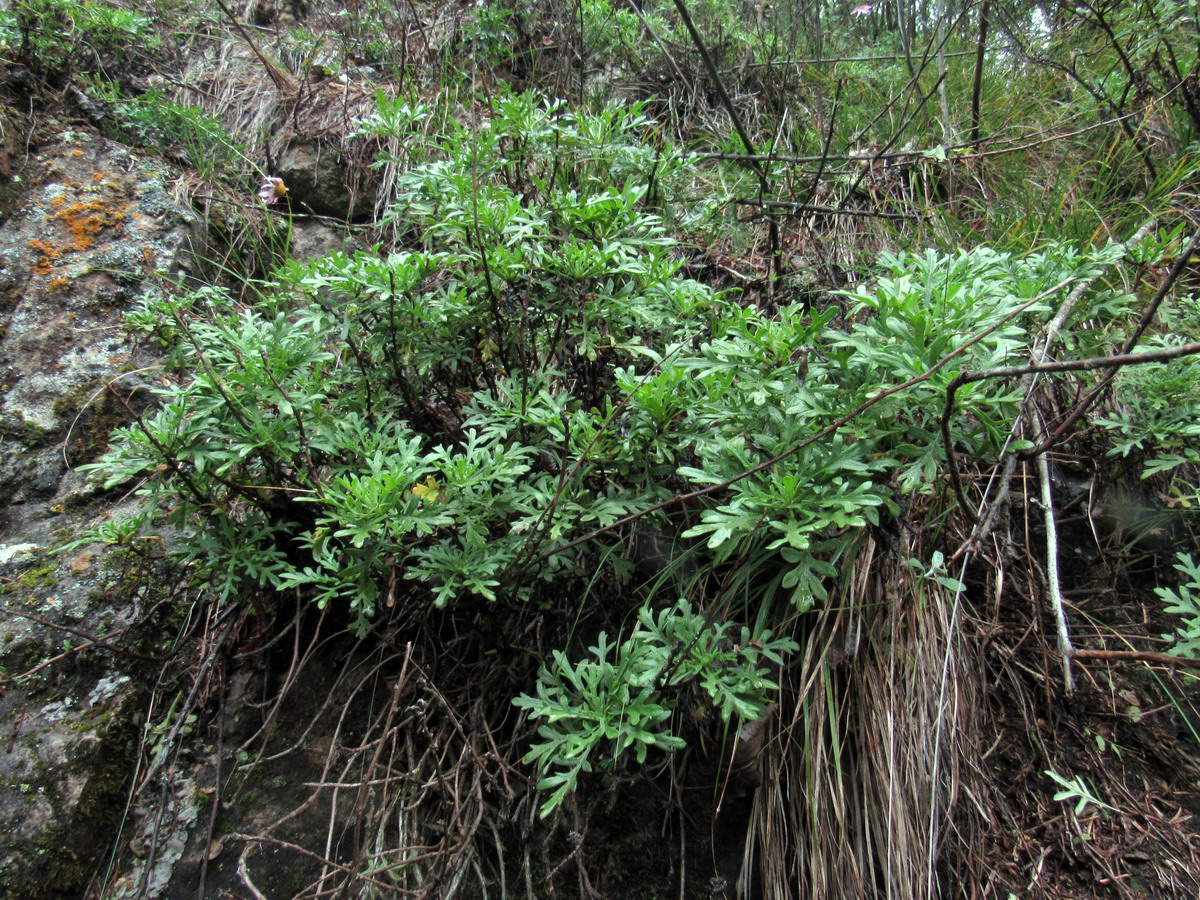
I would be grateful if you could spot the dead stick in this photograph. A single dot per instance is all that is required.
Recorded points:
(283, 81)
(1147, 656)
(1053, 587)
(1038, 355)
(1147, 317)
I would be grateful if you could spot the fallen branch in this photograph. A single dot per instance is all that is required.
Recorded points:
(1147, 317)
(283, 81)
(1074, 365)
(795, 207)
(965, 149)
(1041, 350)
(91, 641)
(1146, 656)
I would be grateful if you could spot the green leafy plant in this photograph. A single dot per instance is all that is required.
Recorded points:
(494, 31)
(1184, 601)
(55, 35)
(1154, 416)
(1076, 790)
(745, 400)
(468, 416)
(151, 119)
(623, 696)
(376, 416)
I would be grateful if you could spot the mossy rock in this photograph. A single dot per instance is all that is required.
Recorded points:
(63, 786)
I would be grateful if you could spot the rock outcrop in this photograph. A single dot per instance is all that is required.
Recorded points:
(93, 233)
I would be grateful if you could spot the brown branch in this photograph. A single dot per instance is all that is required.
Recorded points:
(829, 60)
(1146, 656)
(950, 149)
(719, 87)
(91, 639)
(1147, 317)
(727, 102)
(798, 208)
(282, 79)
(977, 85)
(1074, 365)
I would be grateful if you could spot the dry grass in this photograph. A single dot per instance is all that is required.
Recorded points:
(224, 78)
(869, 789)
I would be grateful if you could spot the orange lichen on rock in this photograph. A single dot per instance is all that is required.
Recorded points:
(49, 256)
(58, 283)
(84, 221)
(87, 219)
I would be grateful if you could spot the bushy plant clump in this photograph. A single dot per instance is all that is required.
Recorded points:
(448, 419)
(416, 411)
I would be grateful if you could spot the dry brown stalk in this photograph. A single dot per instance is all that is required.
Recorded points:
(1146, 656)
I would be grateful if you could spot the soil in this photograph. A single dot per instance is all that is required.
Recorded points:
(1130, 734)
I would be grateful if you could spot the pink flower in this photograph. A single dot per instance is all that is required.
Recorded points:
(863, 10)
(271, 190)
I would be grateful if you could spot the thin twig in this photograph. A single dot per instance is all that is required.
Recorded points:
(1053, 586)
(1147, 656)
(364, 789)
(92, 399)
(951, 150)
(795, 207)
(92, 641)
(865, 170)
(244, 874)
(824, 162)
(186, 708)
(829, 60)
(719, 87)
(215, 800)
(283, 81)
(736, 119)
(1079, 365)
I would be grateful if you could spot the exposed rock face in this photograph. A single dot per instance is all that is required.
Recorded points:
(94, 228)
(318, 182)
(92, 233)
(95, 233)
